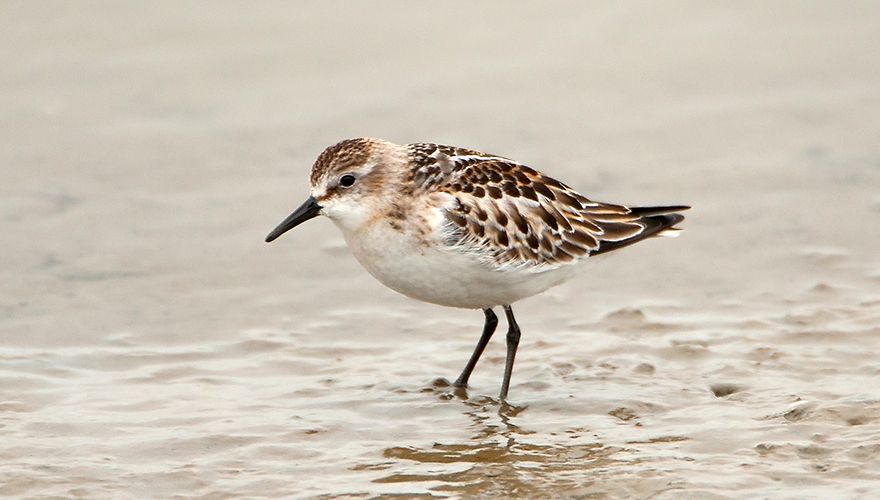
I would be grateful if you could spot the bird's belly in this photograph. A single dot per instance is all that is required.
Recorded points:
(441, 276)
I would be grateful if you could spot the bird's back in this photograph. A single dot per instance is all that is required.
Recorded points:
(513, 218)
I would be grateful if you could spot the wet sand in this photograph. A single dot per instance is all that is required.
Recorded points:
(151, 345)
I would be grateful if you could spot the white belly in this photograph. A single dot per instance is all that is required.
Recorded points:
(402, 262)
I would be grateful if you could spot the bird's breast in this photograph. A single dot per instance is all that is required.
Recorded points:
(418, 264)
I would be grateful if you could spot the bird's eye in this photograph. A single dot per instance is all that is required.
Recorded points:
(346, 180)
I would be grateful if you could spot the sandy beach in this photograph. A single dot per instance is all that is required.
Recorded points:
(153, 346)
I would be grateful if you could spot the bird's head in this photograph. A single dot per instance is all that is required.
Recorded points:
(348, 184)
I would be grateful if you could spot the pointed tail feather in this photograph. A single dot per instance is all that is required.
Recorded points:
(657, 221)
(645, 211)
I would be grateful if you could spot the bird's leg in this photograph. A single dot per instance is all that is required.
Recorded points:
(512, 343)
(488, 330)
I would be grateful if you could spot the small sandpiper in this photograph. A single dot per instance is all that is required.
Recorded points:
(461, 228)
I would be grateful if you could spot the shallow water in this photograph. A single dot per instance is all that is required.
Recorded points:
(152, 346)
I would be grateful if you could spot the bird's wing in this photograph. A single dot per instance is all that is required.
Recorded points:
(512, 216)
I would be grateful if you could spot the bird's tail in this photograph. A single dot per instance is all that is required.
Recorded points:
(654, 221)
(664, 218)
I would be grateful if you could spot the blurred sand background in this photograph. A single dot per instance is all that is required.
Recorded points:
(151, 345)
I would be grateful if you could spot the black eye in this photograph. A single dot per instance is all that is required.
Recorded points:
(346, 180)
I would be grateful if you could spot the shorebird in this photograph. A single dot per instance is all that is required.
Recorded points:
(460, 228)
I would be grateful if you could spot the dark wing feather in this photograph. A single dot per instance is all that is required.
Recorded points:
(659, 220)
(511, 215)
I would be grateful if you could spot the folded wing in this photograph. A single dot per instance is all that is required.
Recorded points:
(512, 216)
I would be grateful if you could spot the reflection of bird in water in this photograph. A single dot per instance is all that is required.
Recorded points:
(501, 458)
(460, 228)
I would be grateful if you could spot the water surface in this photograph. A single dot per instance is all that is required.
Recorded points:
(151, 345)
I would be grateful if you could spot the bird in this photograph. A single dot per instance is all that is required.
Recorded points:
(461, 228)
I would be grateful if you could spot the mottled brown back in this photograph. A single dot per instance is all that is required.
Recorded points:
(514, 216)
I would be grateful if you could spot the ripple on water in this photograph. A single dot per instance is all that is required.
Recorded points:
(612, 408)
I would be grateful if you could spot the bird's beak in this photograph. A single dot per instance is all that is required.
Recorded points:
(306, 211)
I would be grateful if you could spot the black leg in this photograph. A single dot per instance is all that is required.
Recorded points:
(512, 344)
(488, 330)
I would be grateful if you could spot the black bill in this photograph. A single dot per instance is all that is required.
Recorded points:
(306, 211)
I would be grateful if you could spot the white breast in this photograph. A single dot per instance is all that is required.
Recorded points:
(432, 272)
